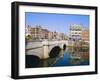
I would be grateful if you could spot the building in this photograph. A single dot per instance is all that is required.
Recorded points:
(75, 32)
(85, 37)
(45, 33)
(75, 35)
(38, 33)
(28, 30)
(50, 36)
(79, 36)
(61, 36)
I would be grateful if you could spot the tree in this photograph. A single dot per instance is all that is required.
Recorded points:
(28, 37)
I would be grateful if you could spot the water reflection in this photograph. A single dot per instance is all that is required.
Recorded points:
(69, 56)
(72, 56)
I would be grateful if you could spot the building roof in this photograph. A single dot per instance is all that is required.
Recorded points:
(76, 26)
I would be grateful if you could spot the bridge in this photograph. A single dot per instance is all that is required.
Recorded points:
(43, 48)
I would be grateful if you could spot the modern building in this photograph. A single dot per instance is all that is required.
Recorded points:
(75, 32)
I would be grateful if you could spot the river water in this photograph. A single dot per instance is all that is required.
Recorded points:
(69, 60)
(68, 57)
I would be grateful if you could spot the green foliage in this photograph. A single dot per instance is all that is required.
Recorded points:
(28, 37)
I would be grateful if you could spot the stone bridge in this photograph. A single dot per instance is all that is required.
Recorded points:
(43, 48)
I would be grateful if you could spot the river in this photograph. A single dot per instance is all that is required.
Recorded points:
(68, 57)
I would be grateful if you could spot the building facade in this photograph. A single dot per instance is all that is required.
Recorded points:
(79, 36)
(39, 33)
(28, 30)
(85, 37)
(75, 32)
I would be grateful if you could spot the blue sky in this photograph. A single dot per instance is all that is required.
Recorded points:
(56, 22)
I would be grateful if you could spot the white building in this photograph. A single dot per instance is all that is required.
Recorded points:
(76, 32)
(27, 30)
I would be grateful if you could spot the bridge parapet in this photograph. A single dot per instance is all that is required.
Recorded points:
(46, 46)
(49, 45)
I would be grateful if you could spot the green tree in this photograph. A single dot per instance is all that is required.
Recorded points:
(28, 37)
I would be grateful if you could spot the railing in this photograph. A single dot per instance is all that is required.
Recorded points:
(39, 47)
(33, 48)
(44, 43)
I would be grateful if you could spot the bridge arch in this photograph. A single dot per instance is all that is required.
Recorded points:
(64, 46)
(55, 51)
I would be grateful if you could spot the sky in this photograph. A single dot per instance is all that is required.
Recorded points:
(56, 22)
